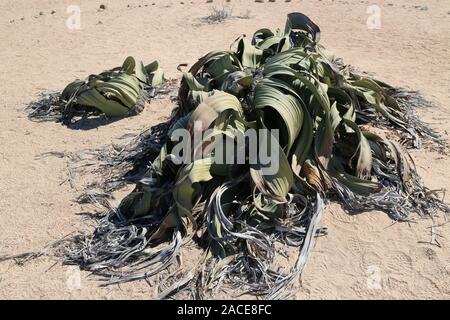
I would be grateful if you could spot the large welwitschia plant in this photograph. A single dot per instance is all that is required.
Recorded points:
(283, 82)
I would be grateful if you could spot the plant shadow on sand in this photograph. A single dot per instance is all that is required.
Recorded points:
(90, 123)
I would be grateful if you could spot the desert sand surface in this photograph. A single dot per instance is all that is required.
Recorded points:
(39, 52)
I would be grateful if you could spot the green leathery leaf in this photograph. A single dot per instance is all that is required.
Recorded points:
(72, 89)
(334, 117)
(210, 109)
(249, 55)
(236, 82)
(157, 77)
(345, 100)
(209, 58)
(223, 64)
(319, 91)
(140, 72)
(324, 140)
(129, 65)
(269, 99)
(94, 99)
(302, 146)
(193, 83)
(299, 21)
(187, 188)
(355, 184)
(312, 176)
(152, 67)
(261, 35)
(267, 208)
(155, 73)
(134, 67)
(290, 57)
(275, 44)
(363, 151)
(199, 96)
(274, 186)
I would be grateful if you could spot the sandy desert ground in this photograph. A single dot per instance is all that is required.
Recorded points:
(39, 52)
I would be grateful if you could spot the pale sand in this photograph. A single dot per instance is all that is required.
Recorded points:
(411, 50)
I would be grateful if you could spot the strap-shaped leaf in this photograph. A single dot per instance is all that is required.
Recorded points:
(270, 99)
(249, 55)
(299, 21)
(155, 73)
(274, 186)
(187, 189)
(363, 152)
